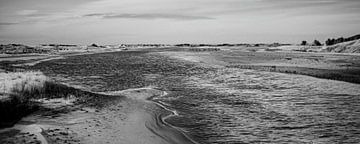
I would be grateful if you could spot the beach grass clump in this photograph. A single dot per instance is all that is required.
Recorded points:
(26, 86)
(20, 81)
(20, 90)
(22, 85)
(20, 93)
(17, 89)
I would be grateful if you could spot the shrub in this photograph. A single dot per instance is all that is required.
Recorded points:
(317, 43)
(304, 43)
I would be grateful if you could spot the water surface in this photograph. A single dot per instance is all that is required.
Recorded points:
(226, 105)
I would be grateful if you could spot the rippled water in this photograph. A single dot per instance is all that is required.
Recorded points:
(245, 106)
(226, 105)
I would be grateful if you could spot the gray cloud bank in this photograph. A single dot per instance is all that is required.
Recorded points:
(8, 23)
(146, 16)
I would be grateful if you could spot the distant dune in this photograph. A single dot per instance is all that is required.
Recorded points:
(345, 47)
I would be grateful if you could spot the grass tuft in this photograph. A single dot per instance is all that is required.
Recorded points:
(19, 90)
(19, 83)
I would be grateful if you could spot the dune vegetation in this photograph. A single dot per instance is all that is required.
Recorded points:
(22, 93)
(19, 92)
(22, 85)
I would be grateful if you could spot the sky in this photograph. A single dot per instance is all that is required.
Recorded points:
(176, 21)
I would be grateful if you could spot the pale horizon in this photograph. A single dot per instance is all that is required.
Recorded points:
(176, 21)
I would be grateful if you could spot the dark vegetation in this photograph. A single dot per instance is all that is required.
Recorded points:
(230, 45)
(60, 45)
(315, 43)
(333, 41)
(204, 49)
(13, 109)
(303, 43)
(94, 45)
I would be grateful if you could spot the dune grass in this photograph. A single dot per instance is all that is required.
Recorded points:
(30, 85)
(22, 85)
(19, 90)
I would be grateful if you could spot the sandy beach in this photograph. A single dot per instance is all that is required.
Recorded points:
(130, 119)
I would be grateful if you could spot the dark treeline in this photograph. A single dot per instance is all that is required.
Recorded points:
(230, 45)
(59, 45)
(315, 43)
(332, 41)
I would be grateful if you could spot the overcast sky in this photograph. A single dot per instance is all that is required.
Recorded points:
(176, 21)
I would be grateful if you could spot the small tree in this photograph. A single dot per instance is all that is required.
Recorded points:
(303, 43)
(328, 42)
(317, 43)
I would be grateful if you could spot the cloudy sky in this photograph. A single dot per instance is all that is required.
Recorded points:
(176, 21)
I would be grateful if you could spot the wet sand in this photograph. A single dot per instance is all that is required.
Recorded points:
(131, 119)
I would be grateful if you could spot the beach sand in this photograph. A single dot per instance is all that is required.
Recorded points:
(130, 119)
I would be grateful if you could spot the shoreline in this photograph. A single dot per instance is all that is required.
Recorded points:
(157, 124)
(131, 118)
(174, 113)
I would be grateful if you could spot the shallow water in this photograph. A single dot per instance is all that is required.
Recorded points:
(245, 106)
(226, 105)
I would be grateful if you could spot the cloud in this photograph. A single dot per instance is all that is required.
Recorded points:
(31, 14)
(146, 16)
(183, 20)
(27, 12)
(96, 15)
(7, 23)
(156, 16)
(278, 7)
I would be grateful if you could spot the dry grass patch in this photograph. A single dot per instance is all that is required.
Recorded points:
(23, 93)
(17, 89)
(22, 85)
(20, 91)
